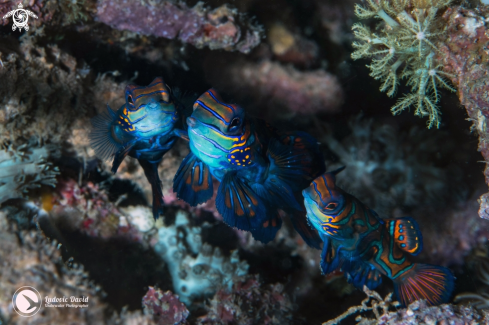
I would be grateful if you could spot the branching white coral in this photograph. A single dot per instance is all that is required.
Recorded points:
(404, 49)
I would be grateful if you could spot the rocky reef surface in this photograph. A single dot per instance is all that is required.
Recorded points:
(69, 227)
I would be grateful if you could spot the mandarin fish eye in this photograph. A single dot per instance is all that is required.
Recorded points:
(331, 206)
(234, 123)
(129, 100)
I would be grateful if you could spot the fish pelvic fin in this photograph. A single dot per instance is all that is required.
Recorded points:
(301, 225)
(151, 172)
(102, 139)
(242, 208)
(429, 282)
(407, 235)
(193, 181)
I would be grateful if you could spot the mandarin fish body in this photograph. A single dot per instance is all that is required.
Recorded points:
(259, 169)
(365, 247)
(143, 128)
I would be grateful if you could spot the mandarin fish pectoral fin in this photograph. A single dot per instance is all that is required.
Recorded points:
(193, 181)
(121, 154)
(181, 134)
(101, 137)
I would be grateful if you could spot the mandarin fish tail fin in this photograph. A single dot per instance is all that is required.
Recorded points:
(102, 138)
(151, 172)
(434, 284)
(308, 234)
(193, 181)
(406, 234)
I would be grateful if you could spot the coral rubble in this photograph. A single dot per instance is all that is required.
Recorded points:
(248, 302)
(28, 259)
(416, 313)
(164, 307)
(217, 29)
(202, 275)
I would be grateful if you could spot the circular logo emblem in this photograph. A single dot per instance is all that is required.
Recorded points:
(26, 301)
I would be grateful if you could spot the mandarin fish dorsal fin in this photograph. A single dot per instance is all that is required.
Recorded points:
(111, 112)
(193, 181)
(239, 205)
(407, 235)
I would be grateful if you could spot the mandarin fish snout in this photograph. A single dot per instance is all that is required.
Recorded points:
(364, 246)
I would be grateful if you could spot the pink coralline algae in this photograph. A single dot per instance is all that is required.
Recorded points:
(249, 303)
(466, 56)
(275, 86)
(218, 29)
(165, 307)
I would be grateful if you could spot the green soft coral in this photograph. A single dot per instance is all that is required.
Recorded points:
(404, 48)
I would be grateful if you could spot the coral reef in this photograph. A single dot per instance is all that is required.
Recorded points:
(198, 270)
(405, 47)
(416, 313)
(466, 58)
(248, 302)
(25, 167)
(29, 259)
(271, 85)
(164, 307)
(217, 29)
(389, 169)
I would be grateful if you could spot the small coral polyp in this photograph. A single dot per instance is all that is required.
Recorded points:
(405, 48)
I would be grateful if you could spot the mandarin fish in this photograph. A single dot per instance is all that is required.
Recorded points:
(259, 169)
(365, 246)
(143, 128)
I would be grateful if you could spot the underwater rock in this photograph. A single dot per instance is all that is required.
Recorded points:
(275, 87)
(249, 302)
(25, 167)
(28, 259)
(200, 276)
(165, 307)
(289, 47)
(466, 57)
(219, 28)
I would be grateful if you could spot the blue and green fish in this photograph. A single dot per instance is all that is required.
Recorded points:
(259, 169)
(364, 246)
(145, 128)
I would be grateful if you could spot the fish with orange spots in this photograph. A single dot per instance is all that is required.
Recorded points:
(145, 128)
(260, 170)
(364, 246)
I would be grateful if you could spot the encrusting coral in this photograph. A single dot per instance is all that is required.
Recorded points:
(220, 28)
(406, 47)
